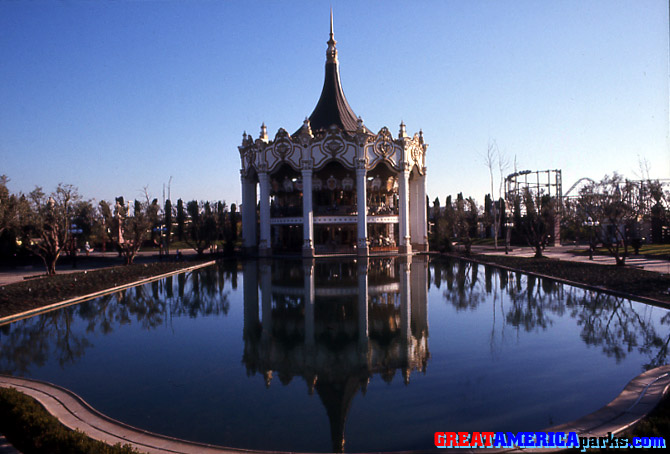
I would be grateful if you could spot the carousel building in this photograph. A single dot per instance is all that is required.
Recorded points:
(333, 186)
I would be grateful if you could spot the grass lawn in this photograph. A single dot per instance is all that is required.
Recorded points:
(656, 251)
(38, 292)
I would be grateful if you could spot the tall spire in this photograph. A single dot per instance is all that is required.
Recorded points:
(331, 23)
(332, 107)
(331, 53)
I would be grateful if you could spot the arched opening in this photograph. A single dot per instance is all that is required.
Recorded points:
(382, 190)
(383, 236)
(383, 205)
(334, 205)
(285, 192)
(334, 190)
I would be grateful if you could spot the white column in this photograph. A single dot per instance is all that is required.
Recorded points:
(422, 238)
(248, 212)
(250, 299)
(403, 216)
(307, 211)
(413, 218)
(406, 313)
(361, 194)
(419, 296)
(363, 316)
(264, 248)
(309, 303)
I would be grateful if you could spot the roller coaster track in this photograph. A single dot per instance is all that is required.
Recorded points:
(567, 193)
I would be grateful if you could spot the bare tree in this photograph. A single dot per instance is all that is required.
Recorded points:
(611, 204)
(129, 230)
(48, 223)
(653, 204)
(496, 162)
(536, 224)
(644, 168)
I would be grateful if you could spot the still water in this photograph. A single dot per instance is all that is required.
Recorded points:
(353, 355)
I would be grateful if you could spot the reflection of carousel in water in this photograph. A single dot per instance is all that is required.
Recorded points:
(336, 324)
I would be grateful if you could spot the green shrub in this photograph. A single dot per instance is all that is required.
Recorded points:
(32, 430)
(657, 423)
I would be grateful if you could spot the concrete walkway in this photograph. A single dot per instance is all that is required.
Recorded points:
(638, 398)
(96, 260)
(74, 413)
(566, 253)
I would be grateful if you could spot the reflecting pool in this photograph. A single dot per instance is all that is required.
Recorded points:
(332, 355)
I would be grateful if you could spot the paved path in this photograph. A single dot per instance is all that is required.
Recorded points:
(106, 259)
(566, 253)
(95, 260)
(73, 412)
(637, 399)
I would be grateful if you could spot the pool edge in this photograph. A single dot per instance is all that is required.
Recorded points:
(80, 299)
(638, 398)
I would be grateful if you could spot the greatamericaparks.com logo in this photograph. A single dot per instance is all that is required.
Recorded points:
(541, 440)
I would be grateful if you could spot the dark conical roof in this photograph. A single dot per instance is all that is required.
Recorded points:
(333, 108)
(337, 397)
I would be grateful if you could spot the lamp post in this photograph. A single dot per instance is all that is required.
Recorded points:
(591, 224)
(508, 235)
(74, 230)
(160, 229)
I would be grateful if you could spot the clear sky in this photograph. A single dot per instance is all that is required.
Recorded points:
(115, 96)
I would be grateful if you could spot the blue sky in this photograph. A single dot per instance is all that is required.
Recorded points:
(115, 96)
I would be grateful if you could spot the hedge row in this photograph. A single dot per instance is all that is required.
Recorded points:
(32, 430)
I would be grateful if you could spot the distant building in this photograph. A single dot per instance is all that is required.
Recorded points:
(333, 186)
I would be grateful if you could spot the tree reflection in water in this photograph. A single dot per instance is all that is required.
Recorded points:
(25, 345)
(30, 343)
(338, 329)
(617, 325)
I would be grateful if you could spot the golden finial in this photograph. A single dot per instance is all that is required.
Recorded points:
(403, 130)
(331, 53)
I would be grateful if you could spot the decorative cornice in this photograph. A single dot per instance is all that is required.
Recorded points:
(363, 151)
